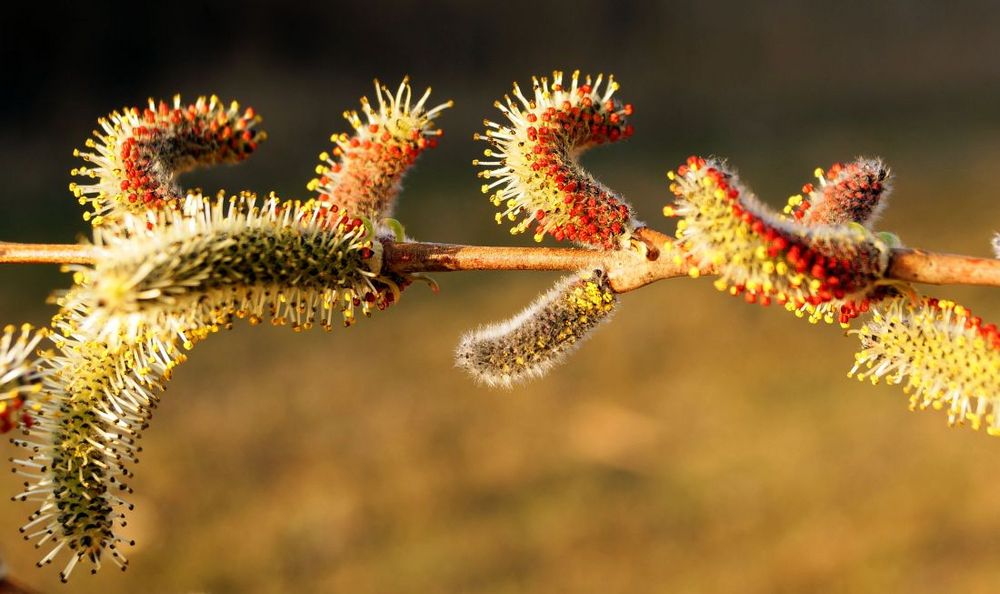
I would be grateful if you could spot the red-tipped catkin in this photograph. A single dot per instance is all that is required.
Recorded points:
(138, 153)
(854, 192)
(765, 258)
(362, 177)
(532, 172)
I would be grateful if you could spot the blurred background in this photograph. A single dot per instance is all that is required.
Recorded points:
(696, 444)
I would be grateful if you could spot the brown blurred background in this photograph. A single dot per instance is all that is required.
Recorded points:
(696, 444)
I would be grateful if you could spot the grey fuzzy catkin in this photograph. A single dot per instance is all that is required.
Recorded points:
(541, 336)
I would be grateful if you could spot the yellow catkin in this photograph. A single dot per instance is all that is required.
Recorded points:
(944, 357)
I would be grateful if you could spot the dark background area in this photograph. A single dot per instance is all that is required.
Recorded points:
(695, 445)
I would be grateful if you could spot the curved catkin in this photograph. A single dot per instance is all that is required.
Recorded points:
(996, 245)
(364, 173)
(845, 193)
(20, 376)
(136, 156)
(532, 342)
(97, 400)
(948, 358)
(764, 257)
(154, 290)
(215, 259)
(532, 171)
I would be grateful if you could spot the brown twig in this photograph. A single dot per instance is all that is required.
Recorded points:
(46, 253)
(628, 270)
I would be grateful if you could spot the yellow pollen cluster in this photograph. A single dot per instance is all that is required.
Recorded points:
(947, 358)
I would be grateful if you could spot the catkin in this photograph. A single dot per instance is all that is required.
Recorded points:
(529, 344)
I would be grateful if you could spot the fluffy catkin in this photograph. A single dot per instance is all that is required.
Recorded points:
(363, 175)
(529, 344)
(121, 328)
(845, 193)
(763, 256)
(135, 157)
(97, 399)
(215, 259)
(948, 358)
(532, 170)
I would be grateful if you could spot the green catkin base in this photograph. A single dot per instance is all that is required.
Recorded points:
(531, 343)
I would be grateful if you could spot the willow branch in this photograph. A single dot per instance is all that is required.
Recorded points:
(46, 253)
(628, 270)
